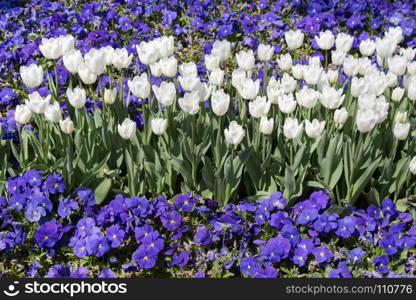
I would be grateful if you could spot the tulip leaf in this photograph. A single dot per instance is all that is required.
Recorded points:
(102, 190)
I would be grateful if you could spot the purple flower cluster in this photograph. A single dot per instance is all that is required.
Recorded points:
(190, 236)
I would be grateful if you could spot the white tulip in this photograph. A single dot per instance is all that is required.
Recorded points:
(338, 57)
(344, 42)
(86, 75)
(385, 47)
(249, 88)
(366, 120)
(139, 86)
(259, 107)
(411, 68)
(222, 49)
(245, 60)
(332, 76)
(274, 91)
(412, 166)
(169, 66)
(294, 39)
(350, 66)
(292, 128)
(400, 117)
(73, 60)
(220, 101)
(190, 102)
(307, 97)
(340, 117)
(234, 134)
(395, 34)
(288, 83)
(53, 112)
(408, 53)
(32, 76)
(314, 129)
(401, 130)
(237, 78)
(121, 58)
(287, 104)
(110, 95)
(364, 65)
(22, 114)
(325, 40)
(51, 48)
(266, 125)
(156, 68)
(397, 94)
(204, 91)
(108, 54)
(216, 77)
(284, 62)
(367, 47)
(297, 71)
(37, 103)
(127, 129)
(67, 126)
(77, 97)
(95, 60)
(189, 82)
(212, 62)
(312, 73)
(411, 89)
(359, 86)
(265, 52)
(159, 126)
(166, 45)
(165, 93)
(67, 43)
(331, 98)
(148, 52)
(397, 64)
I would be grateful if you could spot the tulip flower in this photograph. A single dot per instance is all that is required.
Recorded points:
(159, 126)
(412, 166)
(188, 69)
(212, 62)
(332, 76)
(287, 103)
(395, 34)
(204, 91)
(216, 77)
(86, 75)
(351, 66)
(249, 88)
(331, 98)
(169, 66)
(53, 112)
(189, 82)
(367, 47)
(259, 107)
(121, 58)
(314, 129)
(397, 65)
(340, 117)
(297, 71)
(220, 102)
(222, 49)
(22, 114)
(139, 86)
(165, 46)
(397, 94)
(32, 76)
(190, 102)
(401, 130)
(307, 97)
(77, 97)
(385, 47)
(127, 129)
(292, 128)
(284, 62)
(288, 83)
(237, 78)
(110, 95)
(400, 117)
(344, 42)
(108, 54)
(156, 69)
(148, 52)
(294, 39)
(234, 134)
(37, 103)
(96, 61)
(312, 73)
(245, 60)
(51, 48)
(67, 126)
(325, 40)
(366, 120)
(266, 125)
(165, 93)
(265, 52)
(73, 60)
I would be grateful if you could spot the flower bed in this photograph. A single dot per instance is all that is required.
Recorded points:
(45, 233)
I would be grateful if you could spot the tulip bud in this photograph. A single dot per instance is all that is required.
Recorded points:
(190, 102)
(53, 112)
(77, 97)
(169, 66)
(401, 130)
(400, 117)
(367, 47)
(266, 125)
(412, 166)
(397, 94)
(121, 58)
(314, 129)
(32, 76)
(139, 86)
(220, 102)
(86, 75)
(222, 49)
(73, 60)
(67, 126)
(294, 39)
(212, 62)
(234, 134)
(291, 128)
(22, 114)
(216, 77)
(159, 126)
(265, 52)
(340, 117)
(259, 107)
(332, 76)
(127, 129)
(325, 40)
(245, 60)
(165, 93)
(37, 103)
(110, 95)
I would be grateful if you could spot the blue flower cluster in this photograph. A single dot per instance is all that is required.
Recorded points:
(189, 236)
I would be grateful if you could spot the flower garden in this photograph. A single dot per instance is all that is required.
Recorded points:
(207, 138)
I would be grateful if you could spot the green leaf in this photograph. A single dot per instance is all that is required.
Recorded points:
(102, 190)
